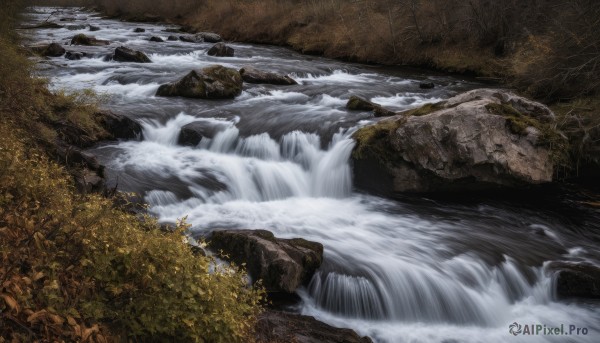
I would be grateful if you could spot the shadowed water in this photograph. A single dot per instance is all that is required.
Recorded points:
(412, 270)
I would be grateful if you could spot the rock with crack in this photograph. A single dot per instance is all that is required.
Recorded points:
(282, 264)
(214, 82)
(252, 75)
(481, 139)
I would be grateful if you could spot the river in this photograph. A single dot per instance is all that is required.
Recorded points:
(414, 269)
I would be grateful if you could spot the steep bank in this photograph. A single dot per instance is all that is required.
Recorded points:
(79, 267)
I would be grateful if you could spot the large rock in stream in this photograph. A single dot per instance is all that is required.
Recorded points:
(481, 139)
(252, 75)
(356, 103)
(221, 50)
(276, 326)
(282, 264)
(82, 39)
(577, 280)
(214, 82)
(50, 50)
(125, 54)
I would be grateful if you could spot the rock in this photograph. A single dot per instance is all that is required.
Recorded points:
(252, 75)
(50, 50)
(477, 140)
(82, 39)
(426, 85)
(120, 126)
(125, 54)
(75, 27)
(94, 28)
(220, 50)
(277, 326)
(70, 55)
(192, 38)
(577, 281)
(88, 181)
(72, 156)
(210, 37)
(68, 19)
(201, 37)
(356, 103)
(172, 38)
(192, 133)
(156, 39)
(44, 25)
(282, 264)
(215, 82)
(139, 30)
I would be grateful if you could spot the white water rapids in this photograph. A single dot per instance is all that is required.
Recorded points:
(415, 270)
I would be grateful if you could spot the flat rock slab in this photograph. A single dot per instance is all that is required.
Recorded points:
(277, 326)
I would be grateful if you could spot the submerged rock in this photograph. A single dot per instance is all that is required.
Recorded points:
(76, 27)
(193, 133)
(356, 103)
(94, 28)
(577, 281)
(277, 326)
(220, 50)
(215, 82)
(480, 139)
(252, 75)
(282, 264)
(156, 39)
(82, 39)
(71, 55)
(139, 30)
(426, 85)
(172, 38)
(125, 54)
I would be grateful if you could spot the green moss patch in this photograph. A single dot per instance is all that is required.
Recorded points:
(374, 141)
(425, 109)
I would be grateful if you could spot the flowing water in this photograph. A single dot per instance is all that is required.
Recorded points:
(412, 270)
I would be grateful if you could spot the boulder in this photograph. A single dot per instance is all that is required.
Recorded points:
(71, 55)
(172, 38)
(139, 30)
(50, 50)
(82, 39)
(426, 85)
(481, 139)
(210, 37)
(191, 38)
(252, 75)
(577, 281)
(214, 82)
(282, 264)
(120, 126)
(94, 28)
(156, 39)
(277, 326)
(125, 54)
(201, 37)
(220, 50)
(192, 133)
(356, 103)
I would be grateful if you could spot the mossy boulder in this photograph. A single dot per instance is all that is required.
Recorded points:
(82, 39)
(214, 82)
(282, 264)
(480, 139)
(125, 54)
